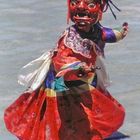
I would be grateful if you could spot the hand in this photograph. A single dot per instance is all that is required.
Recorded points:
(84, 67)
(83, 70)
(124, 30)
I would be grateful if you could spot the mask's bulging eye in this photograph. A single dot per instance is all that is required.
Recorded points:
(73, 3)
(91, 5)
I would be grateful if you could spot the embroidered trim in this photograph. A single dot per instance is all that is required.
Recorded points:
(79, 45)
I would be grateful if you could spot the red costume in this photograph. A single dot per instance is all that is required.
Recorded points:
(67, 97)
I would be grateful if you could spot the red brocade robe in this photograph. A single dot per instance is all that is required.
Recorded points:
(68, 105)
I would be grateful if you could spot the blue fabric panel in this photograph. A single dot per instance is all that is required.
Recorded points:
(49, 78)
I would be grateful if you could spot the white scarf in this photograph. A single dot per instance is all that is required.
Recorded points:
(34, 73)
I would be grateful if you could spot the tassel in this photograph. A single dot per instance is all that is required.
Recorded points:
(108, 4)
(114, 5)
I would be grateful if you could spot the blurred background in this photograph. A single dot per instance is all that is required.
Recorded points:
(30, 27)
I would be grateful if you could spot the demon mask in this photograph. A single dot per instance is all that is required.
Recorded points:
(85, 13)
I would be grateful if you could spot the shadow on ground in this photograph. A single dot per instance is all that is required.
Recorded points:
(118, 136)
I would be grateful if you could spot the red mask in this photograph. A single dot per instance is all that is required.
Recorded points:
(84, 11)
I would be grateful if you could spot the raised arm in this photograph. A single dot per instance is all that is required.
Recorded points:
(113, 35)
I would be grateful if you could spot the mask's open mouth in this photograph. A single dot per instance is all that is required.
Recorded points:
(84, 17)
(81, 15)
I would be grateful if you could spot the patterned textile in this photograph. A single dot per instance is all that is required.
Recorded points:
(79, 45)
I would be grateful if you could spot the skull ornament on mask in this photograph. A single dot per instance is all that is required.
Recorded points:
(85, 13)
